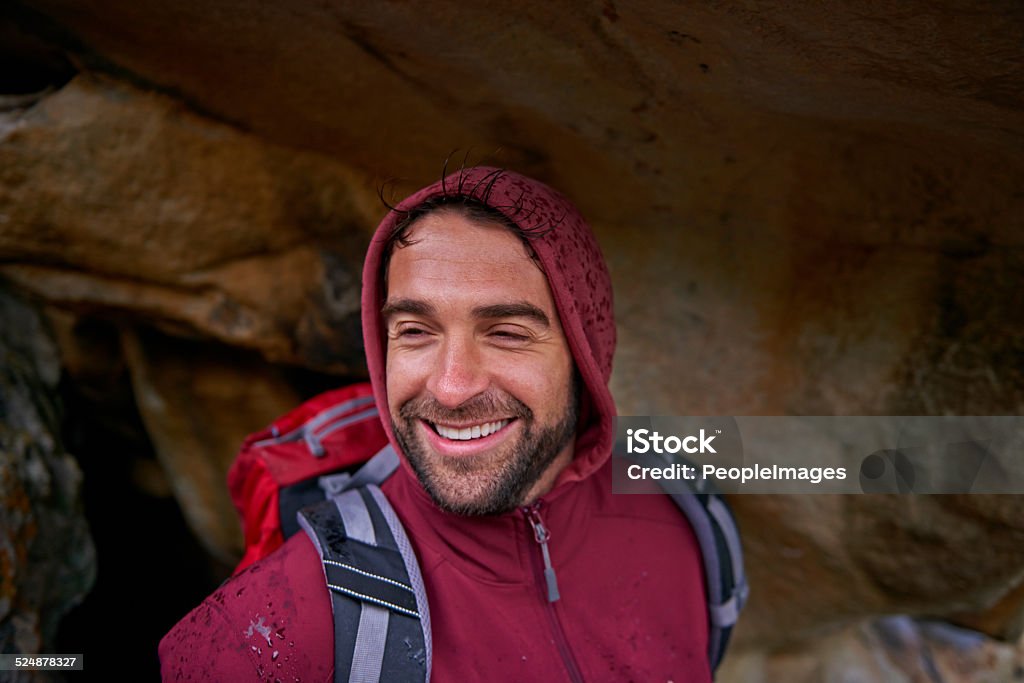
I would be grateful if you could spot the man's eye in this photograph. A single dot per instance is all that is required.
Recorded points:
(509, 336)
(409, 333)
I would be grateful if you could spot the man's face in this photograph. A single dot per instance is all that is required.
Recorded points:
(479, 374)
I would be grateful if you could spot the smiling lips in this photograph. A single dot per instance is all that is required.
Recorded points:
(471, 432)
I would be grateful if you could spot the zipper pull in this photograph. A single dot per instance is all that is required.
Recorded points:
(542, 535)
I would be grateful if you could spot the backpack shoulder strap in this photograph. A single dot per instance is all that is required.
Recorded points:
(377, 469)
(719, 539)
(293, 498)
(381, 617)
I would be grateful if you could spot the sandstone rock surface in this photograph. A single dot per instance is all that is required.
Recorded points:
(952, 557)
(118, 201)
(891, 649)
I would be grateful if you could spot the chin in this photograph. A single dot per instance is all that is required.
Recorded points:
(480, 492)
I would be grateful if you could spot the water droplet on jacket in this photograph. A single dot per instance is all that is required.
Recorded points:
(273, 657)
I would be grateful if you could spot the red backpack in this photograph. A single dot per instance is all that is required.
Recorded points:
(282, 469)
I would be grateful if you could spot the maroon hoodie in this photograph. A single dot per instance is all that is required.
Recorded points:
(632, 603)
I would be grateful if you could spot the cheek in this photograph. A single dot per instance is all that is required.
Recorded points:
(540, 383)
(403, 379)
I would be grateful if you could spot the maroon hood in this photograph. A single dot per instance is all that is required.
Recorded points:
(576, 273)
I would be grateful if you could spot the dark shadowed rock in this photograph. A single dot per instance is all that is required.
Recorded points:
(47, 559)
(198, 403)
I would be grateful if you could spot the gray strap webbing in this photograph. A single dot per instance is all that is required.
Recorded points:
(314, 439)
(368, 653)
(315, 422)
(412, 566)
(376, 470)
(356, 517)
(333, 412)
(333, 484)
(700, 521)
(728, 613)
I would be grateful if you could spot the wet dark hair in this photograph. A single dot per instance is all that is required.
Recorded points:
(468, 206)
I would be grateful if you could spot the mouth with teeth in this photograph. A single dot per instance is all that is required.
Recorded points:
(471, 432)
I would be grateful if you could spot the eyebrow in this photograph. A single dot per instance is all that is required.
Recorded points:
(411, 306)
(518, 309)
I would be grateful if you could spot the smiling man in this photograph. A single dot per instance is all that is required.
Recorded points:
(489, 332)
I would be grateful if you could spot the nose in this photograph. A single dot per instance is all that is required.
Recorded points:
(458, 373)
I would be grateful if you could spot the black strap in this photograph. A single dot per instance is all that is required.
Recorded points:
(381, 620)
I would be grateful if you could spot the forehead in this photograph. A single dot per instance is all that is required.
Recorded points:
(450, 254)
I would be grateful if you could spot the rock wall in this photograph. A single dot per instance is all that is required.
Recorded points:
(47, 559)
(806, 209)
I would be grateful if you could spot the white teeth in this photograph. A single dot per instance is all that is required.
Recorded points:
(467, 433)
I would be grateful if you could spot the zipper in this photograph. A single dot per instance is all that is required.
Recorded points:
(541, 535)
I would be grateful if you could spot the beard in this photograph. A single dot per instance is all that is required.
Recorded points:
(490, 483)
